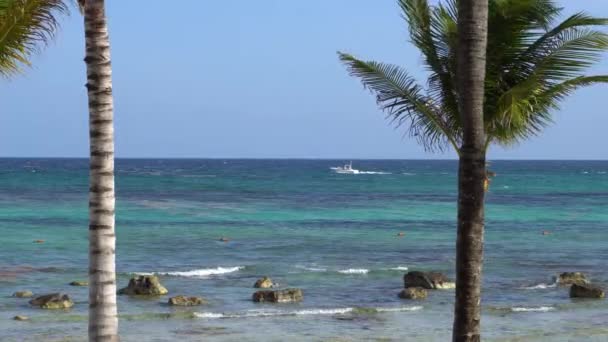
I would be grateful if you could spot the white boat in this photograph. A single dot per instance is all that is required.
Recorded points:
(347, 168)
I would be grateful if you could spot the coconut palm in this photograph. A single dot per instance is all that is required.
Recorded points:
(25, 26)
(533, 62)
(103, 313)
(471, 63)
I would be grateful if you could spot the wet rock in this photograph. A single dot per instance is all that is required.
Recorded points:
(21, 318)
(79, 283)
(144, 286)
(279, 296)
(586, 291)
(263, 283)
(186, 301)
(52, 301)
(413, 293)
(569, 278)
(427, 280)
(23, 294)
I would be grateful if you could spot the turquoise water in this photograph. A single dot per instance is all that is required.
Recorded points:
(333, 235)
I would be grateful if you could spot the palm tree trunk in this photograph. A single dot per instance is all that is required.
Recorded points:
(472, 32)
(103, 318)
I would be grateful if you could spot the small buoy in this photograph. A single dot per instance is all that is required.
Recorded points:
(224, 239)
(39, 241)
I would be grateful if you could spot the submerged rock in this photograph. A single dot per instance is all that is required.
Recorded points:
(53, 301)
(23, 294)
(569, 278)
(279, 296)
(263, 283)
(144, 286)
(79, 283)
(427, 280)
(186, 301)
(586, 291)
(21, 318)
(413, 293)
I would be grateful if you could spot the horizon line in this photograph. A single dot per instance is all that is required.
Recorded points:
(297, 158)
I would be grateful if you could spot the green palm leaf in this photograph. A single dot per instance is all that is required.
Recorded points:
(402, 98)
(25, 25)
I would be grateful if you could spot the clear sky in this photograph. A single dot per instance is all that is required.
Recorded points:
(256, 79)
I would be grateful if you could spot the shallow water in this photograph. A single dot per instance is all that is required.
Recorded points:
(334, 236)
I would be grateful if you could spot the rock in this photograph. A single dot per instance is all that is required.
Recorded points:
(23, 294)
(427, 280)
(79, 283)
(413, 293)
(569, 278)
(263, 283)
(279, 296)
(586, 291)
(186, 301)
(21, 318)
(144, 286)
(53, 301)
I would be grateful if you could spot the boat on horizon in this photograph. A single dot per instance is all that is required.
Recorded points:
(346, 169)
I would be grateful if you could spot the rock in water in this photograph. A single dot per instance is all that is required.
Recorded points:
(427, 280)
(263, 283)
(53, 301)
(569, 278)
(413, 293)
(144, 286)
(21, 318)
(279, 296)
(79, 283)
(186, 301)
(23, 294)
(586, 291)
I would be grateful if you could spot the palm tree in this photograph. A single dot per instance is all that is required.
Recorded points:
(25, 25)
(103, 313)
(470, 65)
(532, 64)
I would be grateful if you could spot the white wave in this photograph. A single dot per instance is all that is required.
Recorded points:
(540, 286)
(354, 271)
(400, 309)
(534, 309)
(324, 311)
(374, 173)
(312, 269)
(273, 313)
(200, 273)
(399, 268)
(305, 312)
(601, 172)
(208, 315)
(408, 174)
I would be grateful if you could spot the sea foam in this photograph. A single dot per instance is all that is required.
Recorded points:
(198, 273)
(533, 309)
(354, 271)
(540, 286)
(304, 312)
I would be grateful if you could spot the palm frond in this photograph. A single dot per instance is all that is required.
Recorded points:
(433, 31)
(25, 26)
(398, 94)
(526, 109)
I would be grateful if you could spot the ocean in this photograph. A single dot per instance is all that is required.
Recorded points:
(335, 236)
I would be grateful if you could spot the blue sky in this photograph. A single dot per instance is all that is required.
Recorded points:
(256, 79)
